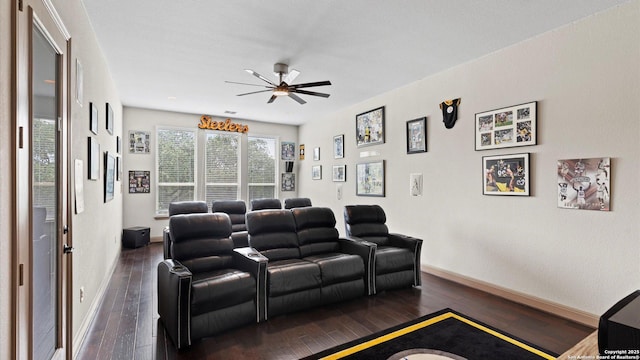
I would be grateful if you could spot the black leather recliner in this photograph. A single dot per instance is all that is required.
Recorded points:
(264, 204)
(296, 203)
(397, 256)
(176, 208)
(236, 209)
(208, 286)
(308, 265)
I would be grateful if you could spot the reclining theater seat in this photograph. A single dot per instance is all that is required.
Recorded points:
(176, 208)
(264, 204)
(236, 209)
(397, 256)
(208, 286)
(291, 203)
(343, 263)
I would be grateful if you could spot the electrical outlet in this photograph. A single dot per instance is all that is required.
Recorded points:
(81, 293)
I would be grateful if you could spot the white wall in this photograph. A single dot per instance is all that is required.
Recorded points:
(586, 79)
(139, 209)
(96, 232)
(5, 181)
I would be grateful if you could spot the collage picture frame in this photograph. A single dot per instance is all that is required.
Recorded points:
(506, 127)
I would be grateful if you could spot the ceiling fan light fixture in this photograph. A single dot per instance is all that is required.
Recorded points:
(280, 91)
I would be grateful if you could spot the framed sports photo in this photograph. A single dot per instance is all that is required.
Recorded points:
(370, 127)
(316, 172)
(584, 184)
(505, 175)
(338, 146)
(288, 182)
(370, 178)
(339, 173)
(507, 127)
(417, 135)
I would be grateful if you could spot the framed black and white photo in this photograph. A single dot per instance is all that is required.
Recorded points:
(370, 127)
(339, 173)
(505, 175)
(417, 135)
(109, 176)
(118, 145)
(109, 118)
(370, 178)
(507, 127)
(288, 182)
(94, 159)
(139, 142)
(338, 146)
(93, 118)
(316, 154)
(288, 150)
(316, 172)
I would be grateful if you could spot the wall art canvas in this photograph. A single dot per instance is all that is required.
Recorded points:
(109, 176)
(584, 184)
(506, 175)
(288, 150)
(139, 181)
(288, 182)
(370, 127)
(370, 179)
(139, 142)
(506, 127)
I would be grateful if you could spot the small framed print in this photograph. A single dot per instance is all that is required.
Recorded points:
(93, 118)
(338, 146)
(94, 159)
(139, 142)
(339, 173)
(139, 182)
(109, 176)
(316, 154)
(316, 172)
(584, 184)
(506, 127)
(288, 182)
(417, 135)
(288, 150)
(370, 178)
(109, 117)
(505, 175)
(370, 127)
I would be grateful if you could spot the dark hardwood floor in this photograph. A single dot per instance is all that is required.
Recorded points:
(127, 324)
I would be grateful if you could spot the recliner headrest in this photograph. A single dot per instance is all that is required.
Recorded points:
(358, 214)
(187, 207)
(185, 227)
(229, 206)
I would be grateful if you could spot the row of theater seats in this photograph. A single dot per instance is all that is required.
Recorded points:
(296, 260)
(236, 209)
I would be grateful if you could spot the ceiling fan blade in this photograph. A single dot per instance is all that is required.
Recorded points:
(254, 92)
(239, 83)
(310, 93)
(259, 76)
(311, 84)
(291, 76)
(297, 98)
(271, 99)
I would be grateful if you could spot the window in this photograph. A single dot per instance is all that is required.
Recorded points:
(176, 167)
(221, 166)
(262, 167)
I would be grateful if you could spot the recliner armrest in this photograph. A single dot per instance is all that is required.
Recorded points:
(166, 243)
(250, 260)
(415, 245)
(174, 301)
(367, 251)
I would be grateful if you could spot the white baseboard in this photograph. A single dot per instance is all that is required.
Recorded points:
(563, 311)
(79, 337)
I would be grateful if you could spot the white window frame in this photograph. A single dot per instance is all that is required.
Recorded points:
(276, 182)
(157, 182)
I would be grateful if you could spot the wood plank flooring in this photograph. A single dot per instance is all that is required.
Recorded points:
(127, 325)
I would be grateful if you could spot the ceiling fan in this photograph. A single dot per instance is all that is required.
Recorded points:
(284, 87)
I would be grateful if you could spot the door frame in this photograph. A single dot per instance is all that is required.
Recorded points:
(25, 15)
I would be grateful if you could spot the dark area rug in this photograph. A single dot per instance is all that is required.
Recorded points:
(443, 332)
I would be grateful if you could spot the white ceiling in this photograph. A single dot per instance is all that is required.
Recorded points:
(186, 49)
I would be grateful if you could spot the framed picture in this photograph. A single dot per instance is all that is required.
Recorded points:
(118, 145)
(417, 135)
(316, 172)
(109, 119)
(370, 178)
(505, 175)
(288, 182)
(338, 146)
(79, 83)
(109, 176)
(139, 182)
(506, 127)
(370, 127)
(316, 154)
(93, 118)
(288, 150)
(139, 142)
(301, 151)
(340, 173)
(584, 184)
(94, 159)
(118, 168)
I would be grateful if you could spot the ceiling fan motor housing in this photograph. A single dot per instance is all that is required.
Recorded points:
(281, 69)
